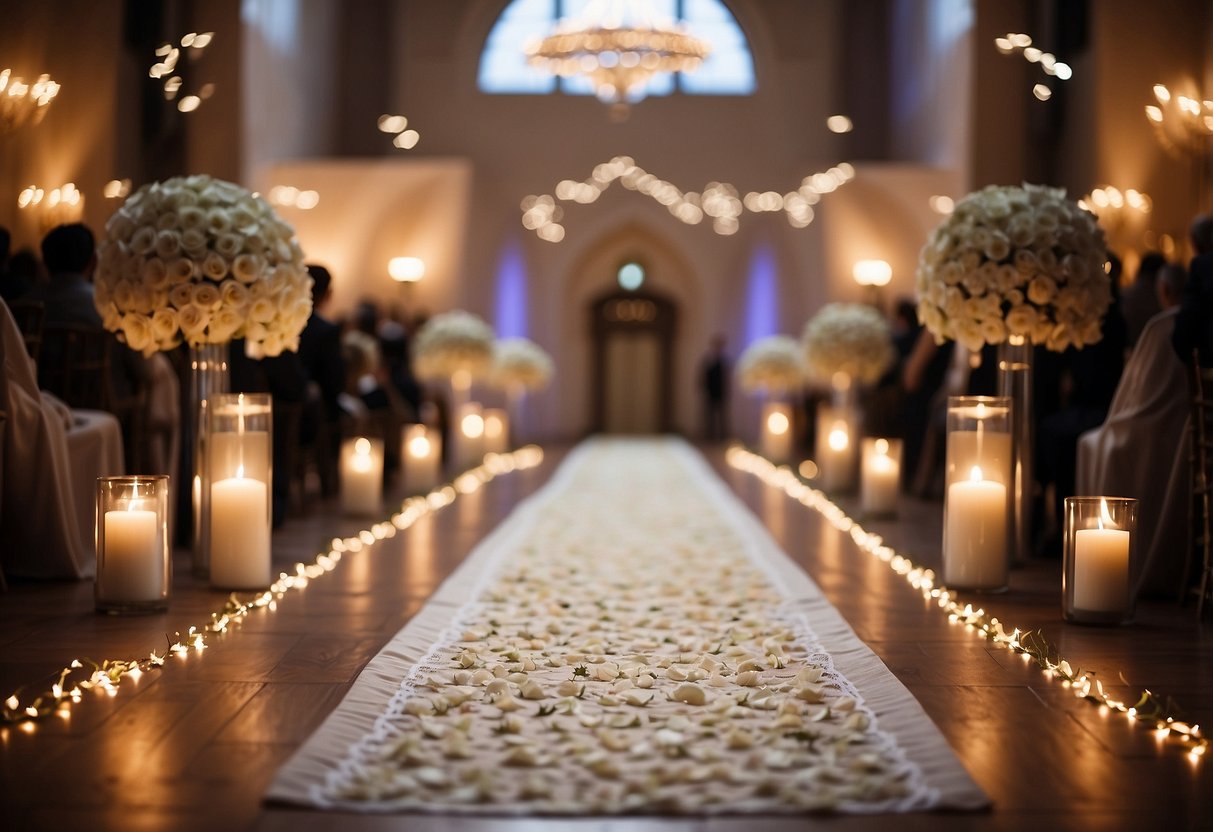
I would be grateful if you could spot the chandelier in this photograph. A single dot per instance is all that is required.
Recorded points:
(619, 45)
(22, 103)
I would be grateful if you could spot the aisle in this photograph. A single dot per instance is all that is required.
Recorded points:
(628, 640)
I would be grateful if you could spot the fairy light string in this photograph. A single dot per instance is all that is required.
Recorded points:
(1149, 711)
(69, 685)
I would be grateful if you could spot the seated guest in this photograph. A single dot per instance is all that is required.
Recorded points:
(323, 361)
(69, 255)
(1139, 301)
(1141, 451)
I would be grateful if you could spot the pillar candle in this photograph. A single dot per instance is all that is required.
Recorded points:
(975, 534)
(422, 459)
(240, 533)
(133, 562)
(777, 432)
(880, 479)
(1101, 569)
(837, 457)
(496, 431)
(470, 432)
(362, 478)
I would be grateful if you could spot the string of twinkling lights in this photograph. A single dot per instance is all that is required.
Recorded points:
(1148, 711)
(69, 685)
(720, 202)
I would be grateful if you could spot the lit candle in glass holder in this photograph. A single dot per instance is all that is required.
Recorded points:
(362, 476)
(421, 448)
(241, 477)
(977, 476)
(837, 447)
(776, 440)
(881, 476)
(1098, 546)
(496, 431)
(471, 436)
(134, 568)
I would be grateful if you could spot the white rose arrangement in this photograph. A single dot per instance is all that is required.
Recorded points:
(203, 261)
(851, 338)
(520, 363)
(1015, 261)
(773, 364)
(450, 343)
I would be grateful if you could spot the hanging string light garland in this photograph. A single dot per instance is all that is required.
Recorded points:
(69, 684)
(1149, 710)
(720, 202)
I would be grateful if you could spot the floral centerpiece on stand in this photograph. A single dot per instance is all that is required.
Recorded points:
(451, 344)
(202, 261)
(1019, 267)
(1023, 261)
(520, 364)
(849, 338)
(772, 365)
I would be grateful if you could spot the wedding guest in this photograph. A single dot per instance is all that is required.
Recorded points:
(1141, 451)
(714, 375)
(1090, 376)
(1194, 322)
(1139, 301)
(69, 255)
(24, 271)
(1170, 285)
(325, 366)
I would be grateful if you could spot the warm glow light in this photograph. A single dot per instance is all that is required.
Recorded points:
(1042, 92)
(472, 425)
(941, 204)
(839, 438)
(362, 446)
(872, 272)
(406, 269)
(881, 446)
(975, 474)
(839, 124)
(808, 469)
(777, 423)
(407, 140)
(393, 124)
(419, 447)
(493, 426)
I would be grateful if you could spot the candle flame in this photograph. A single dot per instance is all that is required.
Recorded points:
(882, 447)
(838, 437)
(777, 423)
(362, 446)
(419, 446)
(1105, 518)
(981, 410)
(975, 474)
(240, 472)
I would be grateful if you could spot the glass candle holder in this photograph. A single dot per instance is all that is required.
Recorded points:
(134, 566)
(421, 449)
(469, 436)
(880, 476)
(496, 431)
(776, 432)
(837, 448)
(362, 477)
(241, 489)
(978, 485)
(1099, 553)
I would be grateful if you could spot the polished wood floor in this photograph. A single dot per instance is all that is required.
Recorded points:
(194, 746)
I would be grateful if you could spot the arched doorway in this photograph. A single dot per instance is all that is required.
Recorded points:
(633, 362)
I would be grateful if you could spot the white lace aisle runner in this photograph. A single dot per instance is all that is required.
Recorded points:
(630, 639)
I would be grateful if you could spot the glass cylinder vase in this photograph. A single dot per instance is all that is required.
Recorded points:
(880, 476)
(240, 508)
(134, 563)
(1099, 546)
(421, 448)
(1015, 383)
(362, 477)
(837, 448)
(977, 486)
(775, 432)
(209, 377)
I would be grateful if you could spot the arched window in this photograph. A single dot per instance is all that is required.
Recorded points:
(728, 70)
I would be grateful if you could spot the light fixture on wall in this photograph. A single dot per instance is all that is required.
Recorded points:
(53, 207)
(22, 103)
(619, 45)
(872, 272)
(406, 269)
(873, 276)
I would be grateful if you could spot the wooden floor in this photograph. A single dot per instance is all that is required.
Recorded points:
(194, 746)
